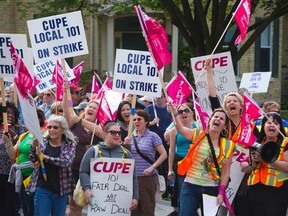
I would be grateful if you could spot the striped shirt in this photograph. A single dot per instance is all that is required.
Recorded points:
(147, 143)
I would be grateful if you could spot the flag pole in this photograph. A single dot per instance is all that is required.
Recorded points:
(203, 68)
(130, 126)
(149, 48)
(67, 91)
(4, 106)
(154, 108)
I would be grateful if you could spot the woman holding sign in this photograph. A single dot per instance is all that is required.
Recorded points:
(111, 147)
(58, 151)
(207, 164)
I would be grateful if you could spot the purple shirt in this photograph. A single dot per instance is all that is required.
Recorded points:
(147, 143)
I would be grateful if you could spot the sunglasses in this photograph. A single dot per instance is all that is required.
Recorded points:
(137, 119)
(76, 92)
(48, 95)
(114, 133)
(55, 127)
(187, 110)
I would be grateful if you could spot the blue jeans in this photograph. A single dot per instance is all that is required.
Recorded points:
(47, 202)
(191, 198)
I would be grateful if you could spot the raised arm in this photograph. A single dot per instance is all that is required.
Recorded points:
(210, 80)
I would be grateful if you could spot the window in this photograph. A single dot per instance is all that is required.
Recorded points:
(267, 49)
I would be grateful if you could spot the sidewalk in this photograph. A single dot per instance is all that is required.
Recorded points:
(163, 208)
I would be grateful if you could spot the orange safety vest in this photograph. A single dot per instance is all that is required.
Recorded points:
(226, 151)
(267, 174)
(236, 134)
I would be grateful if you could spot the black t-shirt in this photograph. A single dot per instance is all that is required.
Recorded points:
(52, 171)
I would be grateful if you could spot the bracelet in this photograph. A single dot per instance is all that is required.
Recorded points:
(154, 166)
(176, 114)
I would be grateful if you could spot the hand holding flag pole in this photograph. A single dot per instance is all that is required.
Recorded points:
(4, 107)
(154, 108)
(67, 91)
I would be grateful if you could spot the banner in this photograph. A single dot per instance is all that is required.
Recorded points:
(256, 82)
(224, 77)
(112, 186)
(56, 37)
(44, 72)
(135, 73)
(6, 63)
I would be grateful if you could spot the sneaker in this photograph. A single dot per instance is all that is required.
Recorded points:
(174, 213)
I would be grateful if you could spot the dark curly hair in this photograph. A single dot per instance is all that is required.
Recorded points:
(12, 106)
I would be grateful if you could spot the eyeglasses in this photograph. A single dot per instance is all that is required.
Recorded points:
(137, 119)
(187, 110)
(48, 94)
(114, 133)
(55, 127)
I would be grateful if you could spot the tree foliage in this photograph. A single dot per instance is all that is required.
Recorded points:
(200, 22)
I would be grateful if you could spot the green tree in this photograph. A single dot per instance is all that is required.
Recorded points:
(201, 23)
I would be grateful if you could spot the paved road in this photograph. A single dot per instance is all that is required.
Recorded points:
(163, 208)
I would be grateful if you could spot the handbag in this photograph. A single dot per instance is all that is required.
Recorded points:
(161, 183)
(78, 193)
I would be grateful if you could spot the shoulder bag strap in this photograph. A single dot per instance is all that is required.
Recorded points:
(213, 154)
(138, 151)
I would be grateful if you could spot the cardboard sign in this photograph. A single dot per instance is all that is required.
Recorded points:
(30, 116)
(224, 77)
(112, 186)
(56, 37)
(256, 82)
(44, 72)
(135, 73)
(6, 64)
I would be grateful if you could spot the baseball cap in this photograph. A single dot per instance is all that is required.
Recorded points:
(145, 98)
(75, 88)
(82, 105)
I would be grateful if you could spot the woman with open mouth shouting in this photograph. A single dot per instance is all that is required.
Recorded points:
(207, 164)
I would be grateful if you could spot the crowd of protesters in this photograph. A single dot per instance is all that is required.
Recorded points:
(165, 139)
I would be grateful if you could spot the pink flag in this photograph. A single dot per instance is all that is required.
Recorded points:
(58, 79)
(179, 89)
(156, 38)
(77, 70)
(250, 111)
(106, 86)
(23, 79)
(204, 116)
(104, 112)
(242, 17)
(95, 85)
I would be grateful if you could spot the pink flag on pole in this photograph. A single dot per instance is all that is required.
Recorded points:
(179, 89)
(156, 38)
(204, 116)
(242, 18)
(58, 79)
(250, 111)
(95, 85)
(104, 112)
(77, 70)
(23, 79)
(106, 86)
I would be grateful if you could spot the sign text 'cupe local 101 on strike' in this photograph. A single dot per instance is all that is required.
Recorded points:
(136, 73)
(56, 37)
(19, 41)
